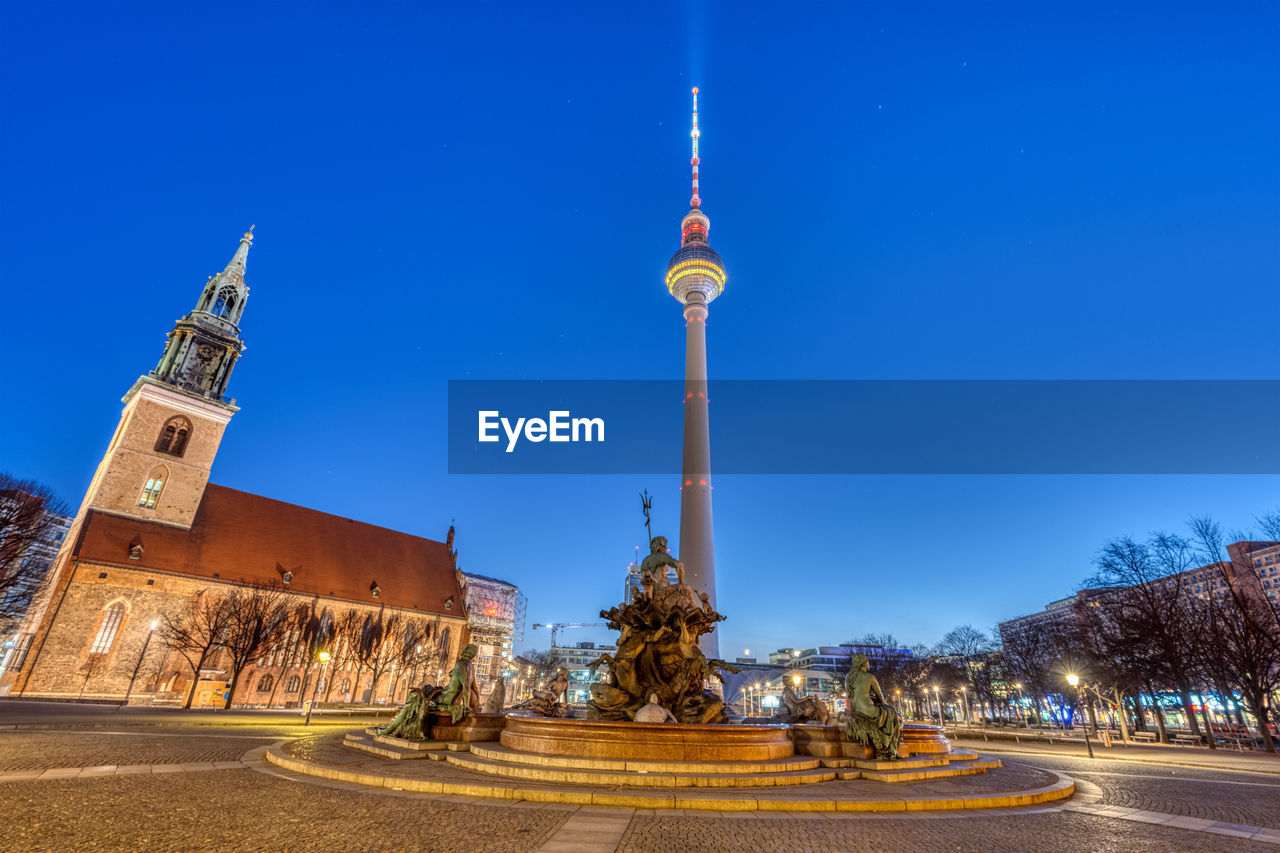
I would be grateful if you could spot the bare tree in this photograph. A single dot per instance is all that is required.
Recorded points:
(1142, 605)
(195, 632)
(254, 614)
(378, 646)
(345, 638)
(29, 533)
(971, 650)
(1240, 640)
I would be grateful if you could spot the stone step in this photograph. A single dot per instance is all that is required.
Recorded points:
(873, 764)
(920, 775)
(365, 743)
(636, 779)
(405, 743)
(497, 752)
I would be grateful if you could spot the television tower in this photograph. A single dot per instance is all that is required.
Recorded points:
(695, 276)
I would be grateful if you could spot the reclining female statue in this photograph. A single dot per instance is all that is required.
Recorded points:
(871, 720)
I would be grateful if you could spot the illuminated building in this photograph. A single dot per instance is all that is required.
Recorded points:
(495, 612)
(695, 277)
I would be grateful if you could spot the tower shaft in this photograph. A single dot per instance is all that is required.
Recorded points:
(697, 541)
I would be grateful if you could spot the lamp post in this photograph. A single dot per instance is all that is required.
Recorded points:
(968, 719)
(796, 679)
(138, 665)
(1021, 712)
(937, 699)
(324, 669)
(1074, 681)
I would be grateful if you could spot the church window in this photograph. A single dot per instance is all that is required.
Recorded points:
(264, 683)
(107, 630)
(173, 437)
(293, 685)
(154, 486)
(444, 644)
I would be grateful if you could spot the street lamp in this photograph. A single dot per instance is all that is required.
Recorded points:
(324, 669)
(1074, 681)
(939, 701)
(964, 693)
(1021, 710)
(795, 679)
(138, 665)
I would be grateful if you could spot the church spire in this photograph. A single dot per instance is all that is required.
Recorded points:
(235, 267)
(204, 345)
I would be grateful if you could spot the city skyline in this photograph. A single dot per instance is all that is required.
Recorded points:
(890, 212)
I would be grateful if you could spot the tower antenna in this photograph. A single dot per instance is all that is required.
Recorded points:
(695, 202)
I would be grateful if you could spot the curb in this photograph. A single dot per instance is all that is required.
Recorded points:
(1137, 760)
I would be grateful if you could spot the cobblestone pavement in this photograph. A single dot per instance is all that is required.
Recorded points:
(1032, 832)
(243, 810)
(1192, 792)
(32, 750)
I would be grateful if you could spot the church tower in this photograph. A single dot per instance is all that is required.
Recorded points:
(158, 462)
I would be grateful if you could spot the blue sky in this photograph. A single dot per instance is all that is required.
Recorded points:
(454, 191)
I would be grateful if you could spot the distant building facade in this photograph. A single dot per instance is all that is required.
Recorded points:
(1058, 615)
(576, 659)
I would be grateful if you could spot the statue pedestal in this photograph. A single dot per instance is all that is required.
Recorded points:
(646, 741)
(473, 728)
(831, 742)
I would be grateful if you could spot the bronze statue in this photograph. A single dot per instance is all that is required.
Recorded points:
(461, 695)
(871, 720)
(653, 567)
(658, 661)
(806, 710)
(546, 699)
(409, 722)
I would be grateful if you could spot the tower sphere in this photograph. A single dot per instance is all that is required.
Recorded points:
(695, 268)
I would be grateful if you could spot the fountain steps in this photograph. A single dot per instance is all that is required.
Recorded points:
(637, 779)
(777, 765)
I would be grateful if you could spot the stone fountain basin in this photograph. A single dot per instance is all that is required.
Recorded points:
(652, 741)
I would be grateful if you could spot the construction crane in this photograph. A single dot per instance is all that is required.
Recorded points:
(558, 626)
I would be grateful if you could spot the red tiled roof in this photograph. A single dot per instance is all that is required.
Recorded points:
(239, 536)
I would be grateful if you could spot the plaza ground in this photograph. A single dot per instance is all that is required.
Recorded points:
(101, 778)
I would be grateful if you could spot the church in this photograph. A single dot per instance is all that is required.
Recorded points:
(153, 537)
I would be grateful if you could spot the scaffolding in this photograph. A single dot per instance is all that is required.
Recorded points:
(495, 614)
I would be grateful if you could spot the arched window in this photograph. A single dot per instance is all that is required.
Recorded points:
(444, 646)
(108, 629)
(345, 687)
(155, 485)
(264, 683)
(173, 436)
(293, 684)
(225, 303)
